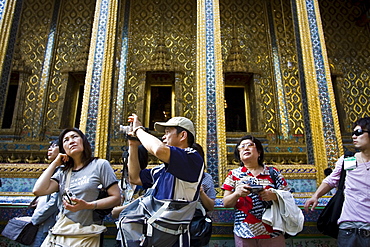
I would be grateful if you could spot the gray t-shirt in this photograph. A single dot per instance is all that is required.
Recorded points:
(84, 184)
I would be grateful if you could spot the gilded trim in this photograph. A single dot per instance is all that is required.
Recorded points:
(89, 69)
(106, 82)
(323, 149)
(220, 97)
(5, 27)
(201, 120)
(23, 170)
(337, 149)
(312, 88)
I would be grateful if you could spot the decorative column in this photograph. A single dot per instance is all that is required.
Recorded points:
(323, 117)
(97, 93)
(7, 24)
(210, 99)
(7, 8)
(119, 117)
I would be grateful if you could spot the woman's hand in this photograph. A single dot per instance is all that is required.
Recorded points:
(267, 195)
(60, 160)
(78, 204)
(242, 190)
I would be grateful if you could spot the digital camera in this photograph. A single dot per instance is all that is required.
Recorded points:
(255, 188)
(127, 129)
(68, 195)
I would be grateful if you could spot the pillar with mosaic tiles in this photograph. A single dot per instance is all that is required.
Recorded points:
(323, 119)
(210, 115)
(97, 94)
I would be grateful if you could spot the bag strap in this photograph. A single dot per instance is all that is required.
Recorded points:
(201, 208)
(342, 178)
(66, 186)
(272, 174)
(124, 177)
(68, 179)
(33, 202)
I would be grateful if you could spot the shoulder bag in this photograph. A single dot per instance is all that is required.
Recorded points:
(200, 227)
(65, 232)
(21, 230)
(327, 223)
(101, 213)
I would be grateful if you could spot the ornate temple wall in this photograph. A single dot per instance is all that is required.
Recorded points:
(303, 66)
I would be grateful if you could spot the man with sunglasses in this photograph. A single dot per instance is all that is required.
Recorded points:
(354, 221)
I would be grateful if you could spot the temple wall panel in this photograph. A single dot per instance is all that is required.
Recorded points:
(307, 64)
(348, 46)
(172, 26)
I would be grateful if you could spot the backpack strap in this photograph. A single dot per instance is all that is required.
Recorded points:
(344, 172)
(272, 174)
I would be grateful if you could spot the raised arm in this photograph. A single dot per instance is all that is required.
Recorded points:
(154, 146)
(133, 162)
(45, 185)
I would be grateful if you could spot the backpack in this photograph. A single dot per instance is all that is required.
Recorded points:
(148, 221)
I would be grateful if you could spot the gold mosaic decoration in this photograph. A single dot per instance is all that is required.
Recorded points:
(175, 24)
(201, 78)
(171, 23)
(248, 20)
(29, 57)
(5, 26)
(348, 47)
(71, 53)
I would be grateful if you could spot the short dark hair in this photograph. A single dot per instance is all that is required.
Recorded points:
(328, 171)
(190, 135)
(54, 142)
(363, 122)
(259, 148)
(86, 154)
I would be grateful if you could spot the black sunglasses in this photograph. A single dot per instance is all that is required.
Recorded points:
(359, 132)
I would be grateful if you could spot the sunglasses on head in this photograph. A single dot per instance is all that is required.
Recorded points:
(359, 132)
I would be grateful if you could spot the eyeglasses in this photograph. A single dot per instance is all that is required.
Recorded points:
(246, 145)
(359, 132)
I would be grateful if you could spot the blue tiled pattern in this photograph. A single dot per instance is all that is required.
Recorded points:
(2, 7)
(212, 149)
(302, 185)
(92, 114)
(122, 71)
(327, 120)
(16, 200)
(17, 184)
